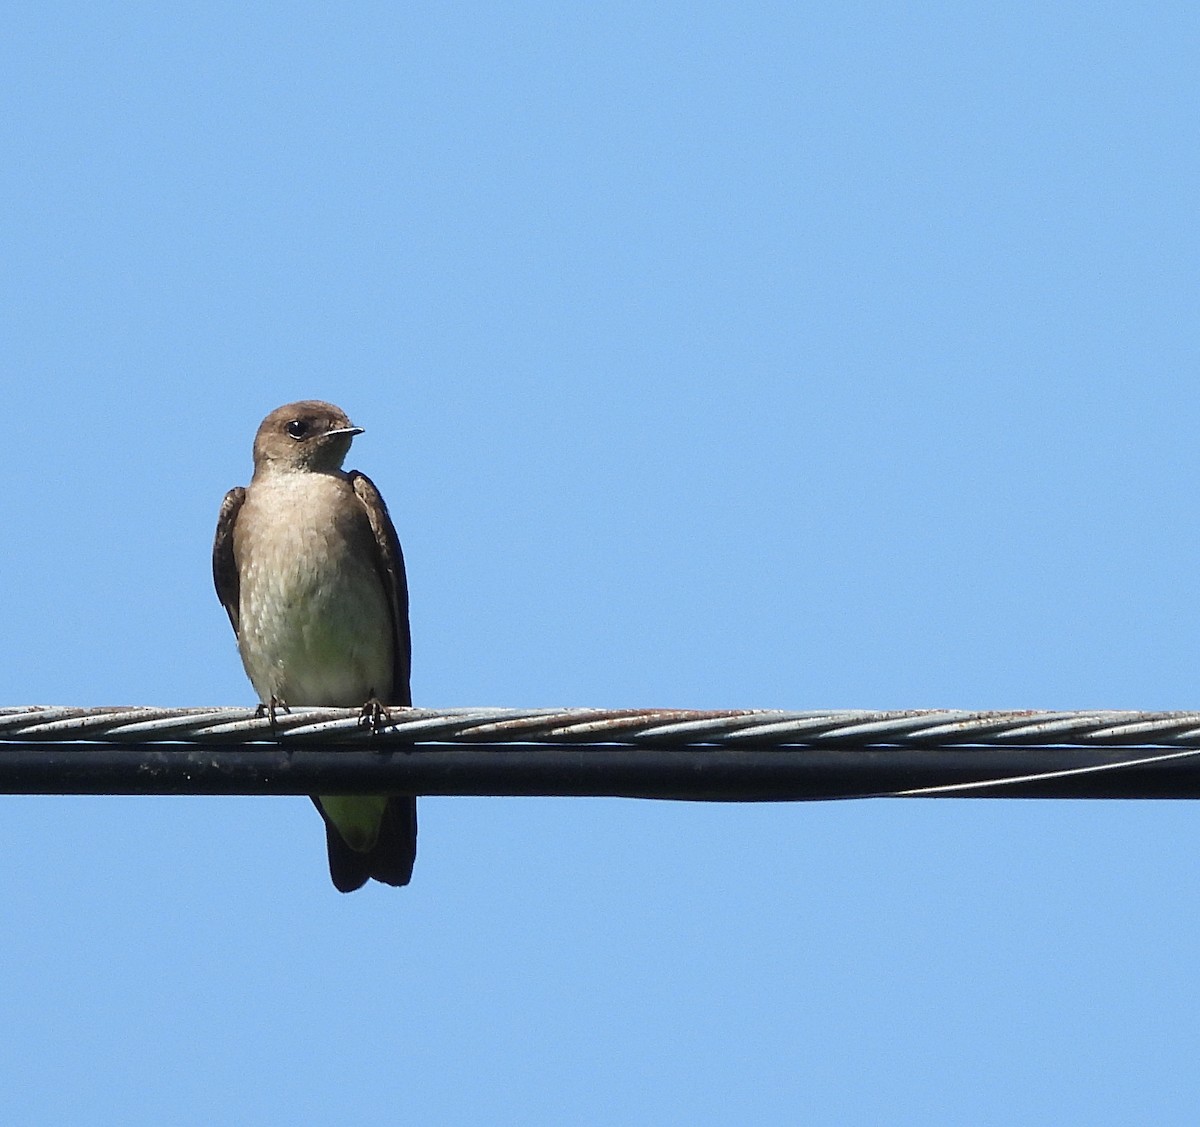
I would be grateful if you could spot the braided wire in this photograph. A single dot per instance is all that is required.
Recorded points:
(731, 728)
(745, 755)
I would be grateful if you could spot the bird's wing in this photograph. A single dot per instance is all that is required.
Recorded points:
(225, 572)
(389, 560)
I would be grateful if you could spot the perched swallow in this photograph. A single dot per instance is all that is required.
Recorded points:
(308, 566)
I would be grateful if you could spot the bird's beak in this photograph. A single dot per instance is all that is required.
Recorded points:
(345, 430)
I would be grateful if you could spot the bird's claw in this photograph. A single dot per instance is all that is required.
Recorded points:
(269, 709)
(374, 715)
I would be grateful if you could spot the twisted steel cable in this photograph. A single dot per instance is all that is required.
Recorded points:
(731, 755)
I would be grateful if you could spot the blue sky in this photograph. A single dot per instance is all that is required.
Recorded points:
(709, 356)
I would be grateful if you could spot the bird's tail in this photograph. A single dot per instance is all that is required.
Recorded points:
(389, 860)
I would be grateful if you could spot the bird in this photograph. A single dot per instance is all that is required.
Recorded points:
(308, 566)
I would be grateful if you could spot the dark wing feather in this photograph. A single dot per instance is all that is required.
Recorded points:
(225, 572)
(391, 859)
(389, 559)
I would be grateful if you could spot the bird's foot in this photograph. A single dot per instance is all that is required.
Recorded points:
(270, 709)
(374, 715)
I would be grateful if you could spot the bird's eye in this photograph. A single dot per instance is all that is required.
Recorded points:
(297, 428)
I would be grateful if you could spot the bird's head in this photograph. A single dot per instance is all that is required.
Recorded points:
(309, 435)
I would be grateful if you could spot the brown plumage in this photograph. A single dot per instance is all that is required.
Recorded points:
(308, 566)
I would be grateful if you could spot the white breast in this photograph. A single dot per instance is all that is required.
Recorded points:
(315, 624)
